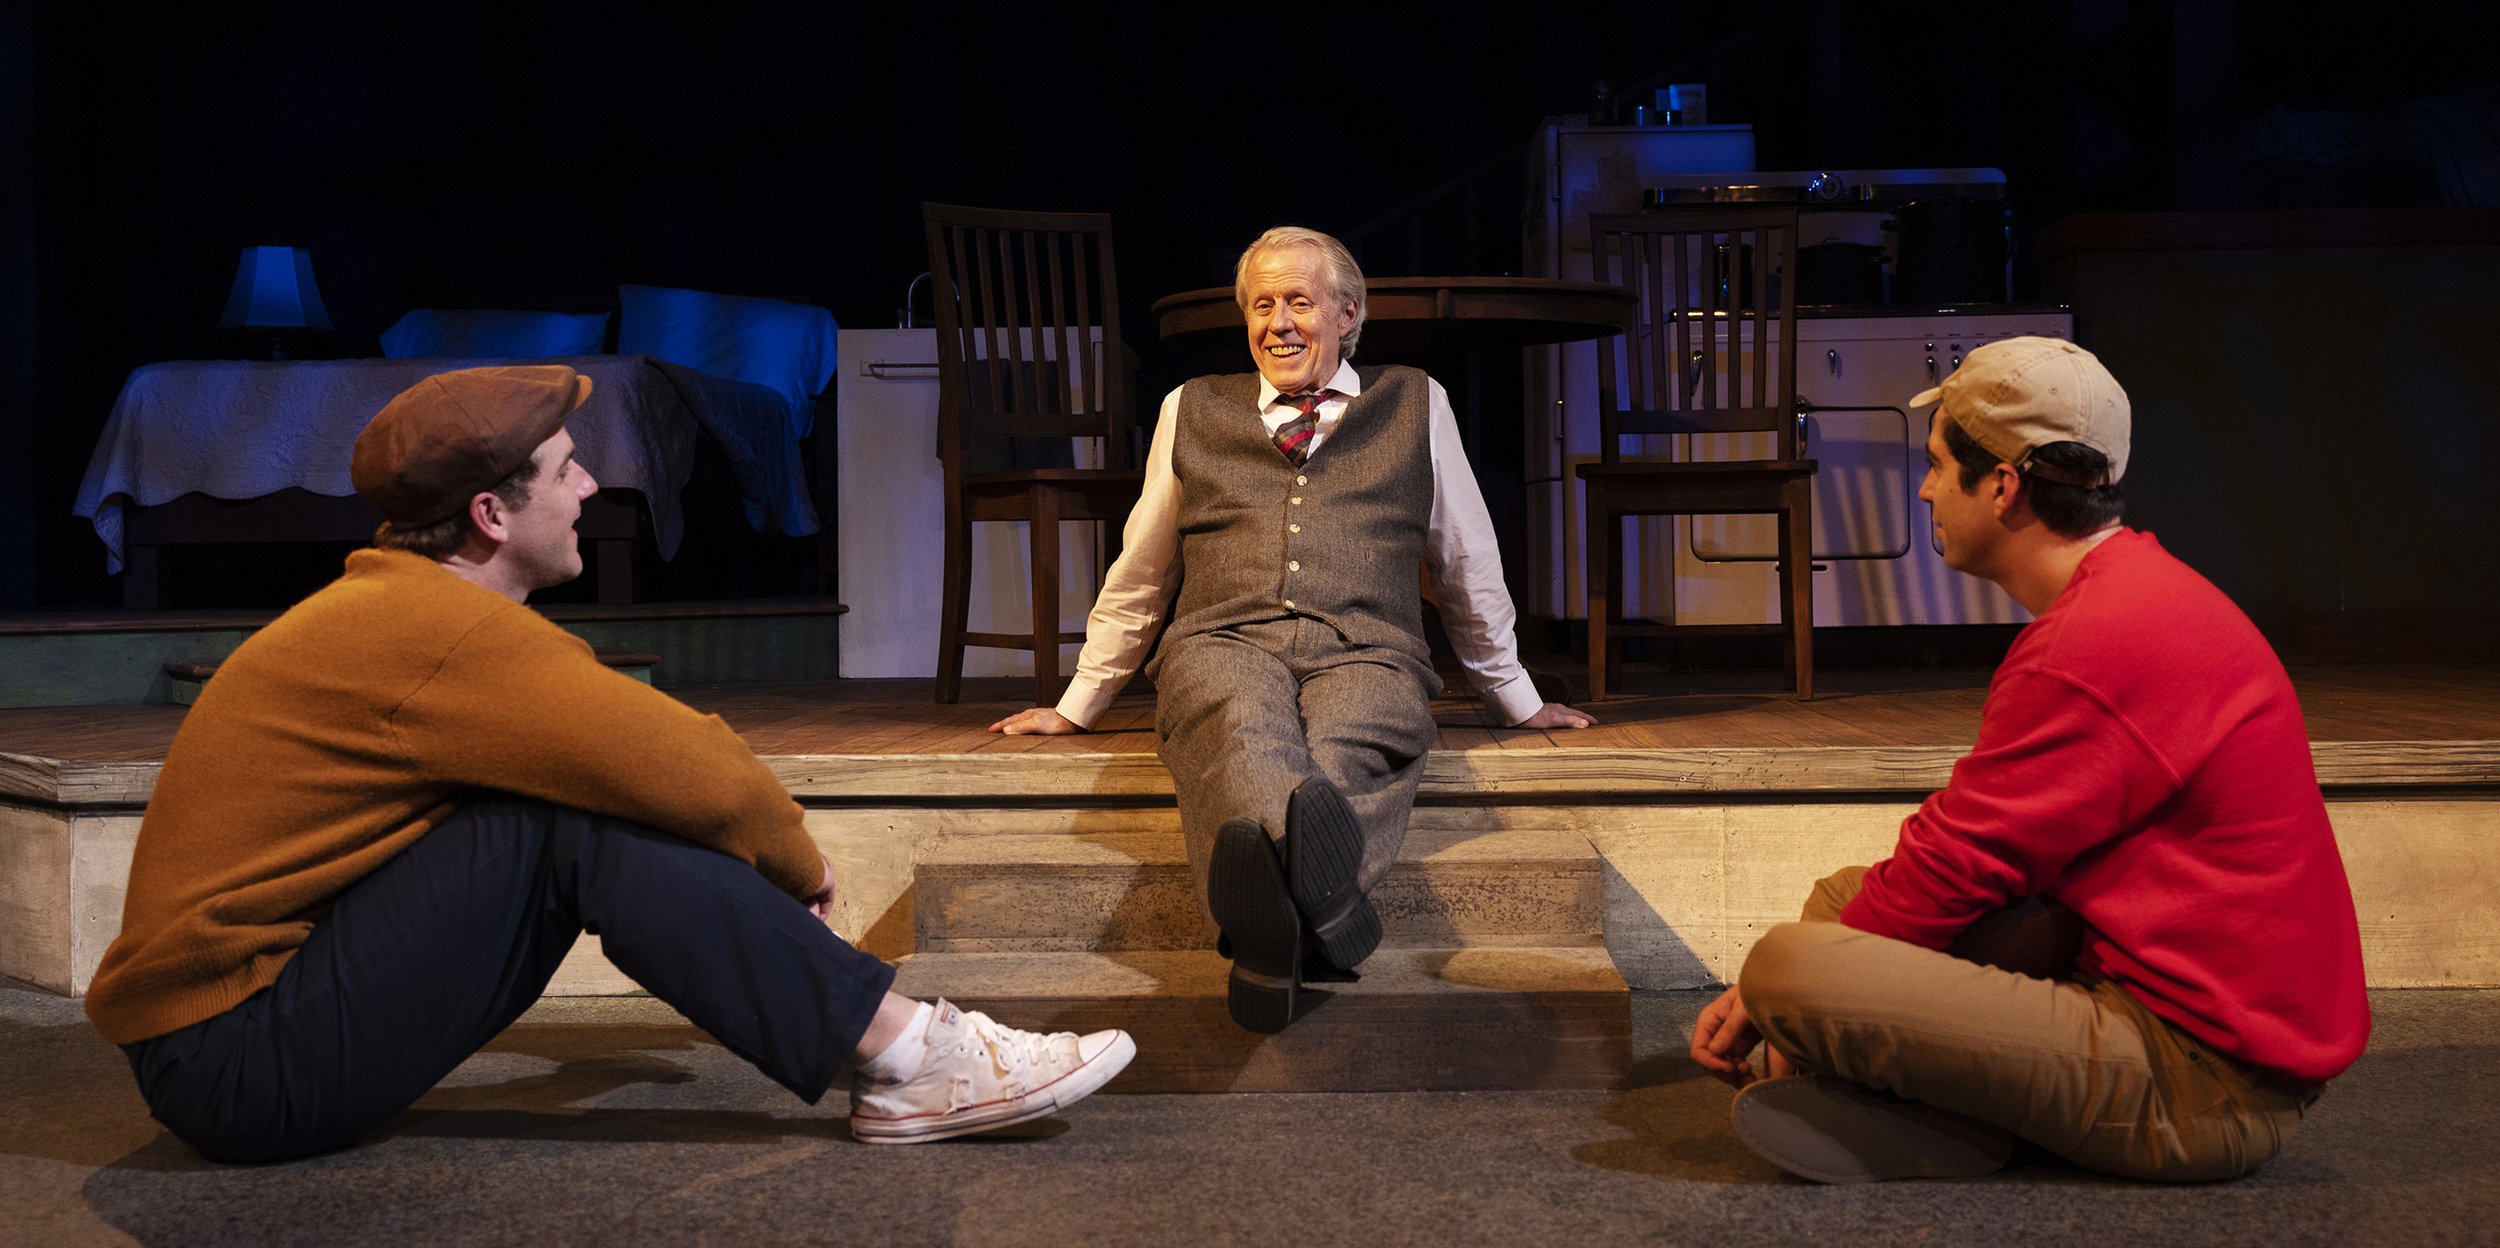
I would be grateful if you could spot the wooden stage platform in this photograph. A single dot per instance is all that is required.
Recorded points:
(1043, 878)
(2451, 713)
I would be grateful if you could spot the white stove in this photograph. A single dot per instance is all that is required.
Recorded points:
(1876, 563)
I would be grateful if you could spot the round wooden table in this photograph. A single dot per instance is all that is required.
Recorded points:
(1411, 318)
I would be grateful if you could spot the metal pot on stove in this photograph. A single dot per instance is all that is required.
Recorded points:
(1950, 251)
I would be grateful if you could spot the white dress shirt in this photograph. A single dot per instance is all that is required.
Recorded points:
(1461, 560)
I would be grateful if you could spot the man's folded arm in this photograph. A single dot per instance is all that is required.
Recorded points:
(514, 710)
(2054, 774)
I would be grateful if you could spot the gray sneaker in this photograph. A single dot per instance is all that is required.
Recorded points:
(1834, 1131)
(979, 1075)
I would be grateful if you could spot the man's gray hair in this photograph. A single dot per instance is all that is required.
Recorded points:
(1345, 278)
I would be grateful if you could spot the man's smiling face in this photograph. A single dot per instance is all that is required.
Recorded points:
(1296, 321)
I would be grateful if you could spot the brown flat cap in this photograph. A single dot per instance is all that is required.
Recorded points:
(430, 450)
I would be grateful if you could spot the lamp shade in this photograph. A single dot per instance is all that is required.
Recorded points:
(273, 289)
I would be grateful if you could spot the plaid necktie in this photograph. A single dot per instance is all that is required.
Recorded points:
(1294, 436)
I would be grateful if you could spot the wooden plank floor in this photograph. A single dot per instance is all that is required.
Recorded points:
(1852, 708)
(76, 623)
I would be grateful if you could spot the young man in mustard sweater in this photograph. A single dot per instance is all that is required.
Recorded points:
(389, 816)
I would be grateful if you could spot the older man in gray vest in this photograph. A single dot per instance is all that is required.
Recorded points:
(1293, 682)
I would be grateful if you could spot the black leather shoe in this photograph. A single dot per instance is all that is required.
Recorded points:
(1323, 857)
(1246, 890)
(1316, 968)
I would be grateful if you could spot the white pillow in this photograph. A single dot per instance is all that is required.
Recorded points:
(493, 334)
(785, 347)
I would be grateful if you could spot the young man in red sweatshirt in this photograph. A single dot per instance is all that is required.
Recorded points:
(2123, 931)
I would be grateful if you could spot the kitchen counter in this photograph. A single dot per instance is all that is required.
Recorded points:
(1866, 311)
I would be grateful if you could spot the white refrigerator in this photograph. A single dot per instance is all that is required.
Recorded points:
(893, 542)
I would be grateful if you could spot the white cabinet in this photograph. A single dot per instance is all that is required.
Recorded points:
(893, 547)
(1875, 553)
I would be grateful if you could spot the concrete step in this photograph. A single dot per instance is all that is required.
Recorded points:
(1130, 890)
(1466, 1018)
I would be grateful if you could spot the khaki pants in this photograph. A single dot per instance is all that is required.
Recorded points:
(2072, 1064)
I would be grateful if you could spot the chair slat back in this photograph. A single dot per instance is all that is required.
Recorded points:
(1713, 347)
(1020, 297)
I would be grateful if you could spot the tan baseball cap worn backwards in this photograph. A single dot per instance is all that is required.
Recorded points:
(2016, 395)
(431, 449)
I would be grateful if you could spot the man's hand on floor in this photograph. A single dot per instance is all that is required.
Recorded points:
(1556, 715)
(1038, 719)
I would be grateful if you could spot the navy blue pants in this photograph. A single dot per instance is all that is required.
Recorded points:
(422, 962)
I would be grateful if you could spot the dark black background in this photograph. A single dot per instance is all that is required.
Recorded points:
(539, 154)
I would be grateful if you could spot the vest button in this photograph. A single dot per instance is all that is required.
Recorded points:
(1289, 604)
(1301, 480)
(1296, 502)
(1293, 565)
(1293, 528)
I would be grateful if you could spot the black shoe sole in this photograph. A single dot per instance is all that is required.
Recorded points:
(1834, 1131)
(1247, 892)
(1323, 859)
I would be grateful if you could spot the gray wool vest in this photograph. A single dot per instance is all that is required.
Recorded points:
(1340, 539)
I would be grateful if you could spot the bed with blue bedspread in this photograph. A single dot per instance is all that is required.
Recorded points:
(216, 451)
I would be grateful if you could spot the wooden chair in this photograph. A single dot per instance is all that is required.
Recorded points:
(1713, 350)
(1022, 370)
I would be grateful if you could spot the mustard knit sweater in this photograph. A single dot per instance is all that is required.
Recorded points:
(339, 734)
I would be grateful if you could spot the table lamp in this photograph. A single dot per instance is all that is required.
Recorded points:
(274, 294)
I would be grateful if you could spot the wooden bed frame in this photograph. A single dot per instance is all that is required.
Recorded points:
(610, 521)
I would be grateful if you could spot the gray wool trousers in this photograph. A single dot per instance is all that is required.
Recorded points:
(1246, 714)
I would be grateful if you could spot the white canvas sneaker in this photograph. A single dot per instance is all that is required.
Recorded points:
(979, 1074)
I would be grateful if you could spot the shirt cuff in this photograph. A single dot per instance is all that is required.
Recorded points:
(1514, 699)
(1084, 702)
